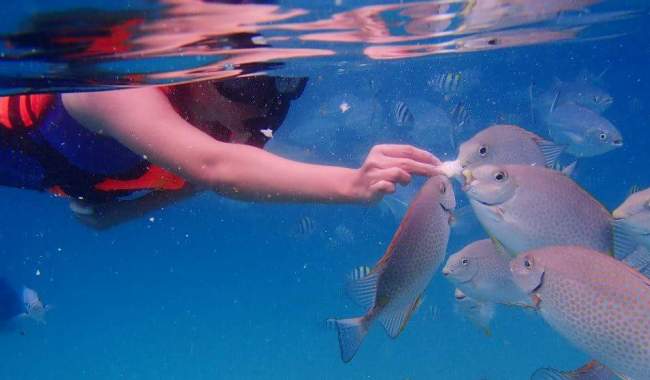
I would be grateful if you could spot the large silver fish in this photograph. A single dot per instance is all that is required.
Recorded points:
(584, 132)
(503, 144)
(482, 272)
(584, 91)
(526, 207)
(391, 291)
(598, 303)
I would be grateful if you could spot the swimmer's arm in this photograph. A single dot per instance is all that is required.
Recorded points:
(144, 121)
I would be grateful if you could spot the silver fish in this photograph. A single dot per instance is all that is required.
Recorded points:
(392, 290)
(34, 307)
(584, 132)
(590, 371)
(598, 303)
(482, 272)
(526, 207)
(477, 312)
(503, 144)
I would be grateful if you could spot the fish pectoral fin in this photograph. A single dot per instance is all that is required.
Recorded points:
(549, 374)
(550, 150)
(362, 287)
(394, 323)
(574, 137)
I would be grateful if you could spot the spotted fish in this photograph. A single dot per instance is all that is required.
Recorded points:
(598, 303)
(391, 291)
(526, 207)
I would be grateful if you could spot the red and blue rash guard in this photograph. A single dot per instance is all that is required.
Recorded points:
(43, 148)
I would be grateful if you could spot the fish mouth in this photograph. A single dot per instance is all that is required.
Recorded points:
(617, 142)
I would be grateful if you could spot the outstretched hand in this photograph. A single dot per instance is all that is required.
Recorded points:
(388, 165)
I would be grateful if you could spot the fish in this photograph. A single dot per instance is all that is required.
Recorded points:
(305, 227)
(598, 303)
(584, 91)
(460, 115)
(477, 312)
(392, 290)
(449, 82)
(632, 223)
(482, 272)
(584, 132)
(503, 144)
(33, 306)
(525, 207)
(590, 371)
(403, 115)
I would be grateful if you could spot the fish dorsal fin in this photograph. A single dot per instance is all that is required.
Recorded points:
(634, 189)
(362, 286)
(501, 250)
(395, 322)
(569, 169)
(550, 150)
(556, 99)
(639, 259)
(624, 244)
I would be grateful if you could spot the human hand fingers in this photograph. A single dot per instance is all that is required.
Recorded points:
(393, 174)
(381, 188)
(406, 151)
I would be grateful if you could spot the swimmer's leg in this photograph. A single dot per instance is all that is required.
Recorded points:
(102, 216)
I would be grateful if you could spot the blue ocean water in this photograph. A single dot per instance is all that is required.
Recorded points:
(212, 288)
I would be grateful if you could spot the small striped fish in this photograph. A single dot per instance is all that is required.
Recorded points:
(459, 114)
(446, 82)
(403, 115)
(306, 227)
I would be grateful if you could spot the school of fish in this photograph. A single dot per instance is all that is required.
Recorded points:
(552, 247)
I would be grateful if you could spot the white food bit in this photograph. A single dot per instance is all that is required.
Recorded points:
(344, 107)
(38, 272)
(259, 40)
(451, 168)
(152, 219)
(268, 132)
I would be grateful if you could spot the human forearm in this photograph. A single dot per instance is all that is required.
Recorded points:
(247, 172)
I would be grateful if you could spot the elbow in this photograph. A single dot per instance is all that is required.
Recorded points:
(213, 173)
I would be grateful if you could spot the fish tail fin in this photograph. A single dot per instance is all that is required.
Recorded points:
(351, 333)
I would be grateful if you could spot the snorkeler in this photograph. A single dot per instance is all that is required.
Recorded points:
(119, 154)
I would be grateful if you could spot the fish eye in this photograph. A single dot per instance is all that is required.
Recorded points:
(482, 150)
(500, 176)
(603, 136)
(528, 264)
(464, 261)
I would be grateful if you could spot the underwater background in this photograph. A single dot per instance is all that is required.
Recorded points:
(212, 288)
